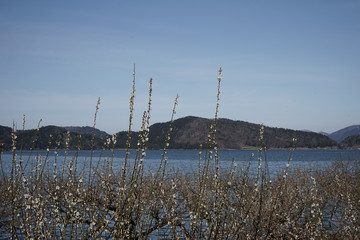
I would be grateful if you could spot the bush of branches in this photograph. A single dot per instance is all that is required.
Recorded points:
(61, 200)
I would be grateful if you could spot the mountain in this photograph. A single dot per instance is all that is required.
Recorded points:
(87, 130)
(351, 142)
(5, 136)
(25, 139)
(188, 133)
(341, 134)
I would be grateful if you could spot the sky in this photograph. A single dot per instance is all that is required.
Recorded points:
(288, 64)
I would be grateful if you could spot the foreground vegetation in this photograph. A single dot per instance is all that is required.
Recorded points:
(59, 199)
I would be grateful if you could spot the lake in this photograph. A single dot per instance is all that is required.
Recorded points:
(186, 161)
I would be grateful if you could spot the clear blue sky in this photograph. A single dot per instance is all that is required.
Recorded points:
(292, 64)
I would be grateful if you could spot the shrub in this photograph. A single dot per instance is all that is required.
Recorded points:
(63, 201)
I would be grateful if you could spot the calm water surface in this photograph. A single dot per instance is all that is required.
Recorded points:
(186, 161)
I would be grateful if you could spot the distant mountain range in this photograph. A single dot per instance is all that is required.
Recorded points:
(188, 133)
(341, 134)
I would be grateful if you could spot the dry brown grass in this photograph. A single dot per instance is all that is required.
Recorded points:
(320, 204)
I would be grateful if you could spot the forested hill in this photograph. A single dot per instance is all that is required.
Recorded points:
(351, 142)
(41, 140)
(188, 133)
(88, 130)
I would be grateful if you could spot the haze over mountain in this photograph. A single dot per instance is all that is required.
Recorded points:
(343, 133)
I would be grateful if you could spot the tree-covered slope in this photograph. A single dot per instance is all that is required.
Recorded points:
(188, 133)
(48, 137)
